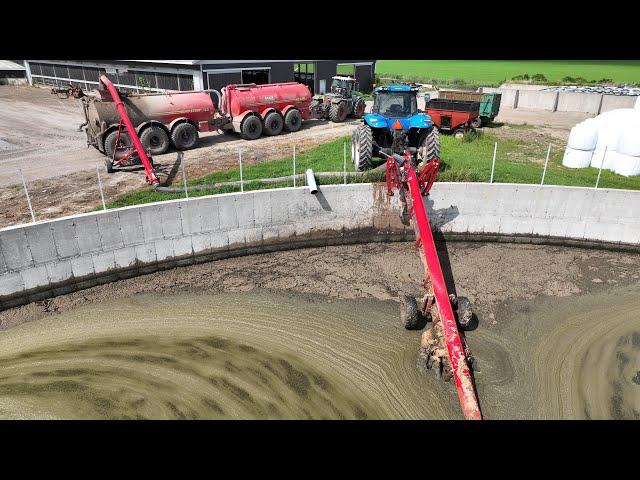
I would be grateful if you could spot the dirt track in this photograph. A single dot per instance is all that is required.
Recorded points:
(38, 133)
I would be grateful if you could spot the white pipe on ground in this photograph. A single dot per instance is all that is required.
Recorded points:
(311, 181)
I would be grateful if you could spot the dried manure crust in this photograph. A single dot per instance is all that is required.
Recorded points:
(315, 333)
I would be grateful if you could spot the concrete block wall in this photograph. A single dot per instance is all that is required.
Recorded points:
(54, 257)
(579, 102)
(536, 100)
(613, 102)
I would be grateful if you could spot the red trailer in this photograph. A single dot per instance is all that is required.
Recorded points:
(452, 116)
(269, 109)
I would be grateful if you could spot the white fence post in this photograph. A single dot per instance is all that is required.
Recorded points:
(604, 155)
(184, 180)
(546, 162)
(344, 161)
(294, 166)
(26, 192)
(240, 158)
(104, 206)
(493, 164)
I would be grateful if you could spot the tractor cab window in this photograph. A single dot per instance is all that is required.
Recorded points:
(341, 86)
(395, 104)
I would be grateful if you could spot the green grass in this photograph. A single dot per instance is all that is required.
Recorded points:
(517, 161)
(494, 72)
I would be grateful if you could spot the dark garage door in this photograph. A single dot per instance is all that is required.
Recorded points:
(218, 80)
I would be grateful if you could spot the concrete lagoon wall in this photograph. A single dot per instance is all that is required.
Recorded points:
(593, 103)
(54, 257)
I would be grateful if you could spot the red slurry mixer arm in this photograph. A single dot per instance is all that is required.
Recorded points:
(151, 175)
(419, 184)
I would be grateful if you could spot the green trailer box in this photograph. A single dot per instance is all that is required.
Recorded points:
(489, 102)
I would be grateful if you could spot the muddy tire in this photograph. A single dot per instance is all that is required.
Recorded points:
(155, 140)
(338, 112)
(293, 120)
(476, 122)
(409, 315)
(464, 313)
(358, 108)
(123, 148)
(273, 124)
(184, 136)
(362, 148)
(251, 128)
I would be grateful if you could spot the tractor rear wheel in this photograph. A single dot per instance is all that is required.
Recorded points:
(430, 147)
(123, 147)
(273, 124)
(338, 112)
(251, 128)
(358, 108)
(292, 120)
(184, 136)
(362, 148)
(155, 140)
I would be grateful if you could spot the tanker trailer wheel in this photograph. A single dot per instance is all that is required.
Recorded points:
(362, 148)
(458, 133)
(273, 124)
(251, 128)
(409, 315)
(358, 108)
(429, 148)
(292, 120)
(476, 122)
(123, 147)
(338, 112)
(184, 136)
(155, 140)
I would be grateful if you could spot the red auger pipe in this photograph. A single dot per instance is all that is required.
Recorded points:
(461, 371)
(151, 176)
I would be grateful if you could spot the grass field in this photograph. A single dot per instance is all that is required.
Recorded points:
(495, 71)
(517, 161)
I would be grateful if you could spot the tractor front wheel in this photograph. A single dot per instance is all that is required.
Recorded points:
(338, 112)
(429, 147)
(358, 108)
(362, 148)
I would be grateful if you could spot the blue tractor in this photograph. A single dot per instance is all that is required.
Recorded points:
(395, 124)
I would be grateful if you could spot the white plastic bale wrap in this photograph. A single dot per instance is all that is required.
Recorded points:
(574, 158)
(583, 136)
(610, 141)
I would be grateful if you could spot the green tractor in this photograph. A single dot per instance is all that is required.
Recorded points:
(342, 102)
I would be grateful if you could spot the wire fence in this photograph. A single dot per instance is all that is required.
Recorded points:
(497, 172)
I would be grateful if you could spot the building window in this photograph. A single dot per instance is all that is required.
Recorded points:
(304, 73)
